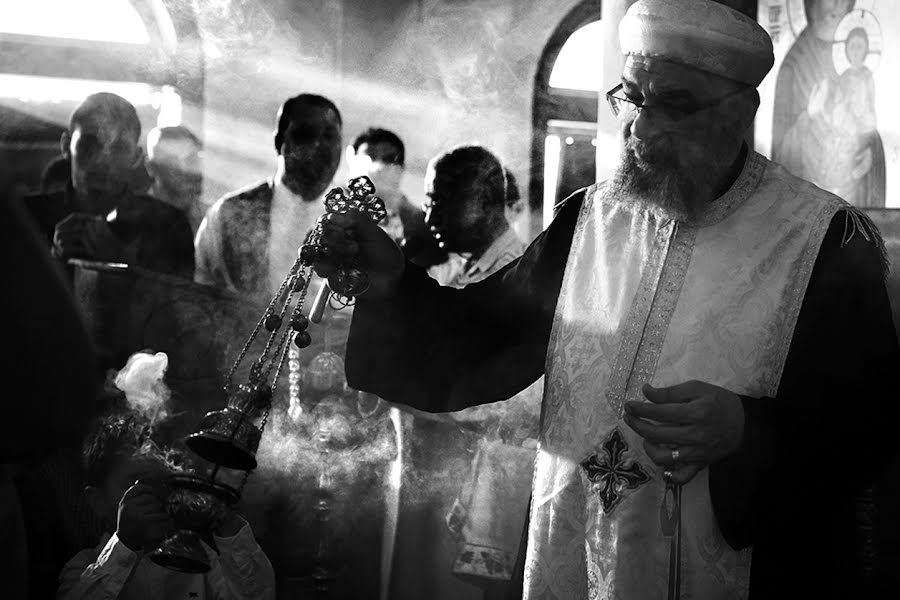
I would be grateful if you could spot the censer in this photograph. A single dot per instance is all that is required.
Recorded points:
(229, 438)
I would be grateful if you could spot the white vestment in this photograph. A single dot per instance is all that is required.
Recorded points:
(646, 299)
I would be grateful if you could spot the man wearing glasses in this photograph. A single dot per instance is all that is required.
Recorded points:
(715, 335)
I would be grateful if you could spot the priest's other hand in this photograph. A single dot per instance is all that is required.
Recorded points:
(355, 236)
(698, 423)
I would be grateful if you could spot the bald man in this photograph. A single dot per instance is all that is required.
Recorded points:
(103, 212)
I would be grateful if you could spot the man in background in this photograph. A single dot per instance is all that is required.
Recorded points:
(249, 238)
(102, 212)
(174, 164)
(468, 191)
(459, 540)
(381, 155)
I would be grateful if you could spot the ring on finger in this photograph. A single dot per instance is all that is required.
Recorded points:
(676, 454)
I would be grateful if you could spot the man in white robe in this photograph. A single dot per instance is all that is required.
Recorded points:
(248, 239)
(715, 336)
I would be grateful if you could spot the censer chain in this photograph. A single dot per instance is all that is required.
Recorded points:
(259, 325)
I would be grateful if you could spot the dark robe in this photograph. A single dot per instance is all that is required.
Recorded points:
(161, 232)
(791, 488)
(54, 363)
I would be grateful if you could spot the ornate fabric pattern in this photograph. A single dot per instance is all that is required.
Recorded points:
(484, 561)
(232, 241)
(617, 386)
(724, 296)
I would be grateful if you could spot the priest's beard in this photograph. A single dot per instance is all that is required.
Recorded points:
(675, 180)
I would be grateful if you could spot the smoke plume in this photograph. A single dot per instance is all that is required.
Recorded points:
(141, 380)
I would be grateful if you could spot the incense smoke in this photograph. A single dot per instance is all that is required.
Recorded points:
(142, 382)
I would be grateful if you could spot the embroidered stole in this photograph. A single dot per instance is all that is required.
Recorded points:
(646, 299)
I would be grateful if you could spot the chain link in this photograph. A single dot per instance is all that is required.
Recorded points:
(361, 198)
(259, 325)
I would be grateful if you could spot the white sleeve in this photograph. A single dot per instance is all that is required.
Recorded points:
(95, 575)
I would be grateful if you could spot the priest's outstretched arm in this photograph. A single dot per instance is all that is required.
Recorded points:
(441, 349)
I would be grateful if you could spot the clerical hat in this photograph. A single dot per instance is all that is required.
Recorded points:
(698, 33)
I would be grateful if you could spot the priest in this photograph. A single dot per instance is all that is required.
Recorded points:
(715, 336)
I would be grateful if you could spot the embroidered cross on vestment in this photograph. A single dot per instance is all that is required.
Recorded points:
(611, 473)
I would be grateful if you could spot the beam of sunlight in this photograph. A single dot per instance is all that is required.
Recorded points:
(52, 99)
(552, 151)
(31, 88)
(96, 20)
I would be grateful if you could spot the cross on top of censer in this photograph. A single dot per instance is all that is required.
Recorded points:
(349, 280)
(361, 198)
(612, 474)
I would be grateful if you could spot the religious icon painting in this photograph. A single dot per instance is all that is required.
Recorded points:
(828, 110)
(828, 106)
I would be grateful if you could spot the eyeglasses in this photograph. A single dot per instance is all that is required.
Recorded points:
(622, 106)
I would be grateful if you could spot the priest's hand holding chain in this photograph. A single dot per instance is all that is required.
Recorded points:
(354, 235)
(687, 427)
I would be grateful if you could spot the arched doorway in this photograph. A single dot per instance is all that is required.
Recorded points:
(564, 111)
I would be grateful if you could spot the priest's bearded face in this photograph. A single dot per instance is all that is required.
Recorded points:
(684, 138)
